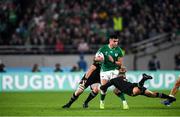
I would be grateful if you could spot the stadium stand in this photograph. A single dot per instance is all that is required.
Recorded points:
(58, 26)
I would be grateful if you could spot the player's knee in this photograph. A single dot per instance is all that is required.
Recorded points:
(96, 90)
(116, 91)
(81, 88)
(78, 92)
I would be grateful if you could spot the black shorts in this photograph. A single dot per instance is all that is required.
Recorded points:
(124, 86)
(94, 77)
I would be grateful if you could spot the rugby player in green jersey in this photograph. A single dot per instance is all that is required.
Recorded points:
(112, 61)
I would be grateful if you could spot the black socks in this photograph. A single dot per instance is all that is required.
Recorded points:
(73, 98)
(90, 97)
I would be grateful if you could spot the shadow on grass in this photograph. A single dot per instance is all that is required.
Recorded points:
(119, 108)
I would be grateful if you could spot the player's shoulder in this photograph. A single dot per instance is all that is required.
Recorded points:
(104, 47)
(118, 48)
(120, 51)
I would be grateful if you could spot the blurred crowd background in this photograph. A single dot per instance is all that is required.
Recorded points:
(80, 27)
(73, 26)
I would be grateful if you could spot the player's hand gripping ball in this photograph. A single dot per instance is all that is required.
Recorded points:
(99, 56)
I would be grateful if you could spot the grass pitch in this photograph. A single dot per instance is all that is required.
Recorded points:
(50, 103)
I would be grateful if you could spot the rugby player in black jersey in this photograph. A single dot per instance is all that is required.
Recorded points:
(92, 79)
(134, 89)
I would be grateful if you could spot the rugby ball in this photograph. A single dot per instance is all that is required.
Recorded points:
(99, 55)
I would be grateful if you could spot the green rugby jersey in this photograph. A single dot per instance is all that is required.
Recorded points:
(116, 52)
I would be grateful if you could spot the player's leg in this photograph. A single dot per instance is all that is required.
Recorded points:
(128, 88)
(175, 88)
(75, 96)
(139, 87)
(105, 77)
(81, 87)
(105, 86)
(117, 83)
(143, 91)
(145, 77)
(149, 93)
(173, 92)
(92, 94)
(118, 93)
(103, 93)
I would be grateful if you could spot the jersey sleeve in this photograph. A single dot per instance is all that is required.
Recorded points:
(101, 50)
(121, 52)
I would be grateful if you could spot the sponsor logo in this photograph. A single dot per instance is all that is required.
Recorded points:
(70, 81)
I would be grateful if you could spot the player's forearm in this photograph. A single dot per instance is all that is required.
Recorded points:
(90, 70)
(119, 63)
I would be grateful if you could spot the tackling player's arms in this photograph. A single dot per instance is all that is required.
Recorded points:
(90, 70)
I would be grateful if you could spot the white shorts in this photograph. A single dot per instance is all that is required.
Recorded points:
(108, 75)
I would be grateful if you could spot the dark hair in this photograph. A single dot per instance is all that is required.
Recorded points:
(114, 36)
